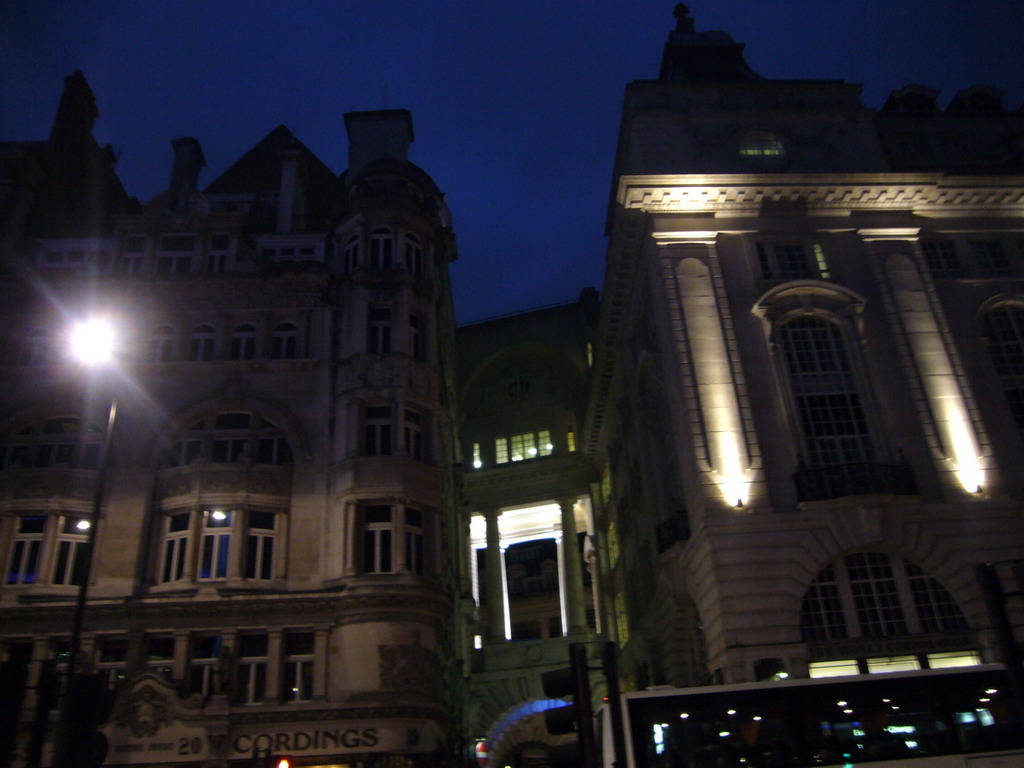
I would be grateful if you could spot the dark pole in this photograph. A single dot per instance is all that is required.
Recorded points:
(94, 519)
(65, 746)
(611, 674)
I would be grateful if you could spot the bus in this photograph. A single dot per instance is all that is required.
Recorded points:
(942, 718)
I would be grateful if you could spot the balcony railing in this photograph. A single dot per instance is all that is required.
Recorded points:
(839, 480)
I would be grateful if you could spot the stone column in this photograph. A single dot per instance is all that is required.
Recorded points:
(571, 572)
(494, 588)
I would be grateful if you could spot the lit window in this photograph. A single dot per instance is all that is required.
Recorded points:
(215, 544)
(72, 551)
(570, 440)
(762, 148)
(23, 563)
(477, 462)
(528, 445)
(833, 668)
(501, 450)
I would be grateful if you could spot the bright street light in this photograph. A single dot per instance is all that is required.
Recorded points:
(92, 341)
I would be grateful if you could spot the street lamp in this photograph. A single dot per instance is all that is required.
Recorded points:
(92, 345)
(77, 741)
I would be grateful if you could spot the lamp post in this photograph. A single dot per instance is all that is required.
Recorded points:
(92, 345)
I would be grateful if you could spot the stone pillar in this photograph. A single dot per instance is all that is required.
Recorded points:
(494, 588)
(571, 572)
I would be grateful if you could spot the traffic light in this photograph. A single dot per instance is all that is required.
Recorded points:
(574, 681)
(87, 705)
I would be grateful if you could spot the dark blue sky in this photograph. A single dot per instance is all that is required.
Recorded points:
(515, 105)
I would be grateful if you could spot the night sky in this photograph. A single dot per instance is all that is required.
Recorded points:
(515, 105)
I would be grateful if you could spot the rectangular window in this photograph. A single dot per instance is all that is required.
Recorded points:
(184, 452)
(379, 339)
(259, 545)
(25, 548)
(204, 664)
(501, 450)
(159, 656)
(413, 431)
(789, 261)
(298, 666)
(251, 675)
(875, 594)
(377, 539)
(477, 462)
(112, 659)
(273, 450)
(941, 258)
(228, 450)
(415, 337)
(570, 440)
(178, 243)
(175, 547)
(216, 544)
(991, 257)
(414, 541)
(72, 551)
(378, 431)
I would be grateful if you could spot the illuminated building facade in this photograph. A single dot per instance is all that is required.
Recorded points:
(529, 546)
(269, 571)
(806, 386)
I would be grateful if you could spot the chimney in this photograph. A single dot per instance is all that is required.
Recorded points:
(377, 134)
(287, 195)
(188, 159)
(76, 113)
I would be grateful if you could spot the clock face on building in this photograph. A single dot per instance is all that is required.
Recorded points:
(762, 148)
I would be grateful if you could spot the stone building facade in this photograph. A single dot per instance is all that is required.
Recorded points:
(269, 569)
(805, 391)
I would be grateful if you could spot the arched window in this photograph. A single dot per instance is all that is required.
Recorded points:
(870, 594)
(284, 343)
(413, 255)
(161, 345)
(824, 391)
(243, 342)
(201, 343)
(382, 246)
(232, 436)
(1004, 328)
(61, 441)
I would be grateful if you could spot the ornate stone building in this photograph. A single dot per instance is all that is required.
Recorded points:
(269, 569)
(806, 389)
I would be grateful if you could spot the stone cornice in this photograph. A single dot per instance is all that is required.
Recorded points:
(738, 194)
